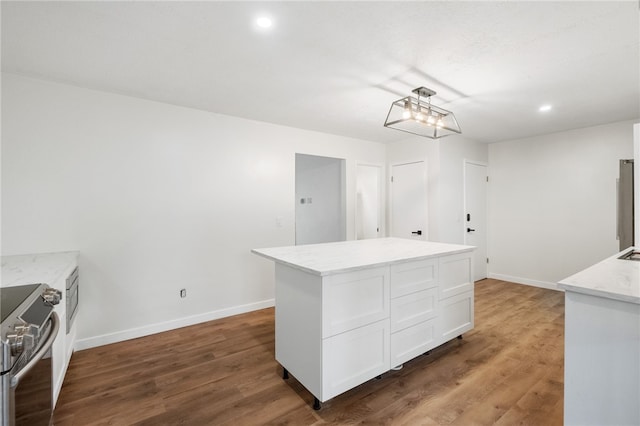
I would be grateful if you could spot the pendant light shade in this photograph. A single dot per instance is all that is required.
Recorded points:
(418, 116)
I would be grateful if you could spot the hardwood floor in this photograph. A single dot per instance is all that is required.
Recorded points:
(507, 371)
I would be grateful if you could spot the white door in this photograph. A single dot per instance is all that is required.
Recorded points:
(475, 215)
(368, 201)
(409, 200)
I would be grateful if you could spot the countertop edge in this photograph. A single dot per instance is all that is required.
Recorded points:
(599, 293)
(354, 268)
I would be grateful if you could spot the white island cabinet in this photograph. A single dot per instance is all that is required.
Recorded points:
(602, 344)
(52, 269)
(347, 312)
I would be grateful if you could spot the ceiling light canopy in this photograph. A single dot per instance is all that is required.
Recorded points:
(545, 108)
(418, 116)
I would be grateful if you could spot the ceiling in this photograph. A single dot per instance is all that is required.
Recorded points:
(335, 67)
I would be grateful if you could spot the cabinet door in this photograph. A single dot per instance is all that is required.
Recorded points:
(410, 277)
(354, 299)
(413, 341)
(413, 308)
(456, 315)
(456, 274)
(352, 358)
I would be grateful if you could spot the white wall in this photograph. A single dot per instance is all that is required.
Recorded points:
(320, 182)
(552, 202)
(445, 158)
(369, 202)
(156, 198)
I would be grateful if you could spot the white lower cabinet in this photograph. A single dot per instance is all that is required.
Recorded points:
(354, 299)
(422, 319)
(413, 309)
(354, 357)
(456, 316)
(456, 274)
(337, 331)
(413, 341)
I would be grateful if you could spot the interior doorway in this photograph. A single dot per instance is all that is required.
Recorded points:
(368, 201)
(320, 199)
(409, 200)
(475, 214)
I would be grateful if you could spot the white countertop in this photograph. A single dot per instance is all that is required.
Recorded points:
(334, 258)
(612, 278)
(44, 268)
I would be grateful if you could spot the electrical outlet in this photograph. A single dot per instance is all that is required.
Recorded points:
(183, 293)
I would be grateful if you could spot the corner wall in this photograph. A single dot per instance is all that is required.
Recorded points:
(552, 202)
(156, 198)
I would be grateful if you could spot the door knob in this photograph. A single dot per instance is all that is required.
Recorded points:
(470, 230)
(418, 232)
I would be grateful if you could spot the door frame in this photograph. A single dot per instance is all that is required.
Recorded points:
(425, 161)
(381, 199)
(466, 161)
(343, 194)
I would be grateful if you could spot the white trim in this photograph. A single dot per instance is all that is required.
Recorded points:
(466, 161)
(636, 182)
(526, 281)
(382, 231)
(134, 333)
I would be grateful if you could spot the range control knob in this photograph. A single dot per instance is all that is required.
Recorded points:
(14, 341)
(22, 339)
(52, 295)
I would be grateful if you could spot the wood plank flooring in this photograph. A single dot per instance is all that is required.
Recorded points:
(507, 371)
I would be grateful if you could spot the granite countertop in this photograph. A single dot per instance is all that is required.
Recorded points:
(44, 268)
(612, 278)
(334, 258)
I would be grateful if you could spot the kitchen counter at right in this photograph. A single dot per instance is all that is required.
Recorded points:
(602, 343)
(613, 278)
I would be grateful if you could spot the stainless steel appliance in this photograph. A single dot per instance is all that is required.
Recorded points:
(72, 298)
(27, 331)
(625, 205)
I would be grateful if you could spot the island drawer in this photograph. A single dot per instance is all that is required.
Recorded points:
(456, 274)
(413, 308)
(410, 277)
(354, 357)
(456, 315)
(354, 299)
(413, 341)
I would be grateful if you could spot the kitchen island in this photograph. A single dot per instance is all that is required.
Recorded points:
(349, 311)
(602, 344)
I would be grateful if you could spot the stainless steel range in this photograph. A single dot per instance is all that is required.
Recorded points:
(27, 330)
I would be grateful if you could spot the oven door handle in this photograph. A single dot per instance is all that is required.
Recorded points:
(55, 325)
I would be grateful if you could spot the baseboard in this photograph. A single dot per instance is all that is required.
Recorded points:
(525, 281)
(134, 333)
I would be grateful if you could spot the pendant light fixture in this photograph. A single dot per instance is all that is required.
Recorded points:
(418, 116)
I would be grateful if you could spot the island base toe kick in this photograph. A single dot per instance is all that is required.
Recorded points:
(337, 331)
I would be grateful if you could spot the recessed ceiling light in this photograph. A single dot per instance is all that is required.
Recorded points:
(264, 22)
(545, 108)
